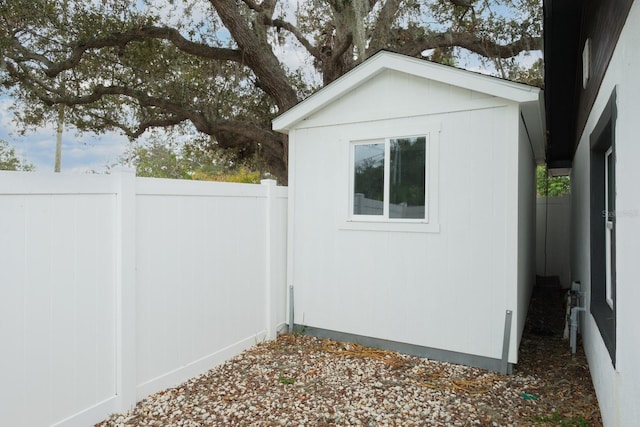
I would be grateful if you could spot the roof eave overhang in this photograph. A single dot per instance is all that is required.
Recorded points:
(562, 23)
(533, 114)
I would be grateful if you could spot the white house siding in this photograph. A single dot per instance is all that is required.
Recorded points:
(617, 388)
(447, 288)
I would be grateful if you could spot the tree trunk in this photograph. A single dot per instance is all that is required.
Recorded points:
(56, 167)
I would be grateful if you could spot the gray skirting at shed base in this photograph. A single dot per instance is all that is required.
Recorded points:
(481, 362)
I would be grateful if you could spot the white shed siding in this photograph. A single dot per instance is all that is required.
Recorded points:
(395, 94)
(526, 227)
(617, 388)
(446, 289)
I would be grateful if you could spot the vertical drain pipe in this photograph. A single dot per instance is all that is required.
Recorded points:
(290, 309)
(575, 317)
(576, 289)
(506, 341)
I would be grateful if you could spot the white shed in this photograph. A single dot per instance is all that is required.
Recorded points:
(412, 209)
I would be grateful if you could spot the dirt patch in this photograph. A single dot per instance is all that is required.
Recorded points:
(566, 381)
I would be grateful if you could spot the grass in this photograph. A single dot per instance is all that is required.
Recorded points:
(287, 380)
(558, 419)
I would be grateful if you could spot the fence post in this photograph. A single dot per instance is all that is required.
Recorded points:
(270, 222)
(125, 289)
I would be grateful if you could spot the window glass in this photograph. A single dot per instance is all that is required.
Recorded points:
(389, 178)
(609, 178)
(368, 197)
(407, 177)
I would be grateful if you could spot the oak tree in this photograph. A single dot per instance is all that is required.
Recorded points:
(222, 68)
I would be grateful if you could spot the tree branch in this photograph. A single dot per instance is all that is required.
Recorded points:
(231, 134)
(144, 125)
(462, 3)
(177, 110)
(228, 133)
(382, 28)
(138, 34)
(253, 5)
(257, 55)
(471, 42)
(281, 24)
(242, 131)
(27, 55)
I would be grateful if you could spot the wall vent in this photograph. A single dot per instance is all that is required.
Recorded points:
(586, 63)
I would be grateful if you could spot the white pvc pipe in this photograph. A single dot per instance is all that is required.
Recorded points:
(575, 317)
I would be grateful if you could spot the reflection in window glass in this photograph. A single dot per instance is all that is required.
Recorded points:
(407, 177)
(368, 198)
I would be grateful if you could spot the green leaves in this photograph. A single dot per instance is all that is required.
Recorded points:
(550, 186)
(162, 156)
(9, 161)
(199, 65)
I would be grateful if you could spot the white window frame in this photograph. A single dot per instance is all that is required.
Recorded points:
(608, 230)
(384, 218)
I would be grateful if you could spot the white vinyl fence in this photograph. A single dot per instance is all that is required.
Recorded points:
(114, 287)
(553, 225)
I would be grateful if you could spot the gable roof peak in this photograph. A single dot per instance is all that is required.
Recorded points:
(386, 60)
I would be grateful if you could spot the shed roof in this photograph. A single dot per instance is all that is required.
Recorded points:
(530, 98)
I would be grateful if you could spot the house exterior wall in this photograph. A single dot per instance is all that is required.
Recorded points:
(602, 22)
(617, 387)
(444, 285)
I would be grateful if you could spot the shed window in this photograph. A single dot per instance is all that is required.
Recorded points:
(389, 178)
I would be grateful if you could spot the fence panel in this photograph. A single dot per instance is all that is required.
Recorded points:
(553, 216)
(200, 277)
(114, 287)
(57, 299)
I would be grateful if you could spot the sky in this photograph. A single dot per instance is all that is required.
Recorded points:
(85, 153)
(90, 153)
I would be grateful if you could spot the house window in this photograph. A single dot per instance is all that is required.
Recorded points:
(389, 179)
(609, 209)
(603, 226)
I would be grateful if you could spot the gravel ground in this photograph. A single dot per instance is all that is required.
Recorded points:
(304, 381)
